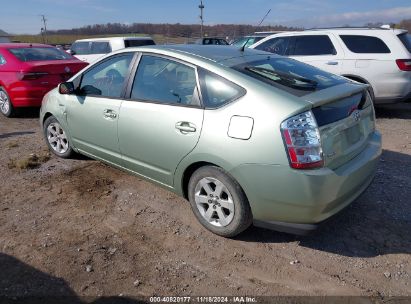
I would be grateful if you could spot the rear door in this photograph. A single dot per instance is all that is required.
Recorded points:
(93, 114)
(321, 51)
(162, 120)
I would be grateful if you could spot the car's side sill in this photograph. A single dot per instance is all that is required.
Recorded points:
(298, 229)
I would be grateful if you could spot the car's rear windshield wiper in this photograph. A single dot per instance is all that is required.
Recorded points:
(284, 78)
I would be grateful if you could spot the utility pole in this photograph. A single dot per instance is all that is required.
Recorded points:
(43, 18)
(201, 7)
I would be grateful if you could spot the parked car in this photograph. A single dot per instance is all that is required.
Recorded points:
(90, 50)
(245, 136)
(379, 57)
(249, 40)
(29, 71)
(211, 41)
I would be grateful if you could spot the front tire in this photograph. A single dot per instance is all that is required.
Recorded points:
(218, 202)
(57, 138)
(6, 107)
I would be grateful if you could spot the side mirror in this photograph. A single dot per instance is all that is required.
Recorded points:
(66, 88)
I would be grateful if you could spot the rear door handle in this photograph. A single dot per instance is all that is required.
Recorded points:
(332, 63)
(186, 127)
(108, 113)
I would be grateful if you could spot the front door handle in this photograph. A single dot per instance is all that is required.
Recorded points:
(186, 127)
(108, 113)
(332, 63)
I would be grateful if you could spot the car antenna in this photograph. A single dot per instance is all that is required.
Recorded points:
(242, 49)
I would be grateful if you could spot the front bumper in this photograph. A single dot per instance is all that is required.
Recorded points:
(281, 196)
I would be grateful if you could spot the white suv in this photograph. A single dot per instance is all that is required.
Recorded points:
(380, 57)
(89, 50)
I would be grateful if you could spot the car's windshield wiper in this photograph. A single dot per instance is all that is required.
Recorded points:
(285, 78)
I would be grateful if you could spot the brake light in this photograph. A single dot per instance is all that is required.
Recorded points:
(404, 64)
(302, 141)
(30, 75)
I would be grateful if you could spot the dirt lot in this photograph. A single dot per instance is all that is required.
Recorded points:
(78, 227)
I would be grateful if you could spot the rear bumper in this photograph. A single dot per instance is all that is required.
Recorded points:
(280, 196)
(28, 96)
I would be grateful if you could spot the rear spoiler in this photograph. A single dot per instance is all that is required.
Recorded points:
(341, 91)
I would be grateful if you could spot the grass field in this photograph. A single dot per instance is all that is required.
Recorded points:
(69, 39)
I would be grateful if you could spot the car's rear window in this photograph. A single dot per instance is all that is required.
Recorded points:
(39, 54)
(365, 44)
(406, 40)
(138, 42)
(290, 75)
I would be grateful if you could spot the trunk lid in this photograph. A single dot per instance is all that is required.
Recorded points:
(55, 71)
(345, 117)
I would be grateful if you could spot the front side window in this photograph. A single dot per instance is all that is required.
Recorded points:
(314, 45)
(107, 79)
(80, 48)
(166, 81)
(100, 48)
(217, 91)
(365, 44)
(39, 54)
(2, 60)
(277, 45)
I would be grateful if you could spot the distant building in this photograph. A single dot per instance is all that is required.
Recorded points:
(4, 37)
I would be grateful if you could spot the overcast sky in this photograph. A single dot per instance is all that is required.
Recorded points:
(23, 16)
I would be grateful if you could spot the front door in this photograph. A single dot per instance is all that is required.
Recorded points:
(161, 122)
(92, 115)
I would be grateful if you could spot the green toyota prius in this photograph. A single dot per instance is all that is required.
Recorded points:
(246, 136)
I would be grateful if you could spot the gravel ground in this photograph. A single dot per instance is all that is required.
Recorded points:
(80, 228)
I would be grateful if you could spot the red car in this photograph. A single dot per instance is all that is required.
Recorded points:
(29, 71)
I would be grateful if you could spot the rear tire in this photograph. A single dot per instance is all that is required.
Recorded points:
(57, 138)
(218, 202)
(6, 107)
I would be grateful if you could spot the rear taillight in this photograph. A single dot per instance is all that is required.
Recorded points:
(404, 64)
(302, 141)
(30, 75)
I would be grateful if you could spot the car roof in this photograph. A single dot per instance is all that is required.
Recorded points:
(215, 53)
(23, 45)
(114, 38)
(343, 29)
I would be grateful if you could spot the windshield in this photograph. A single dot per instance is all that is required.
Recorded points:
(247, 41)
(406, 40)
(288, 74)
(39, 54)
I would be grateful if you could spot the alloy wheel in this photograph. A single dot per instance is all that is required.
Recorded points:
(214, 202)
(4, 102)
(57, 138)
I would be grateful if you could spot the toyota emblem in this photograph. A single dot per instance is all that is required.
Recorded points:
(67, 70)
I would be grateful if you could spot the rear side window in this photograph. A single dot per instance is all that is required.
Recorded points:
(165, 81)
(312, 46)
(406, 40)
(276, 45)
(81, 48)
(365, 44)
(138, 42)
(100, 48)
(217, 91)
(39, 54)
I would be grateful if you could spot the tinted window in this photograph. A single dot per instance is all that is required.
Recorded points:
(365, 44)
(406, 40)
(39, 54)
(162, 80)
(290, 75)
(276, 45)
(217, 91)
(139, 42)
(81, 48)
(100, 48)
(313, 45)
(107, 78)
(2, 60)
